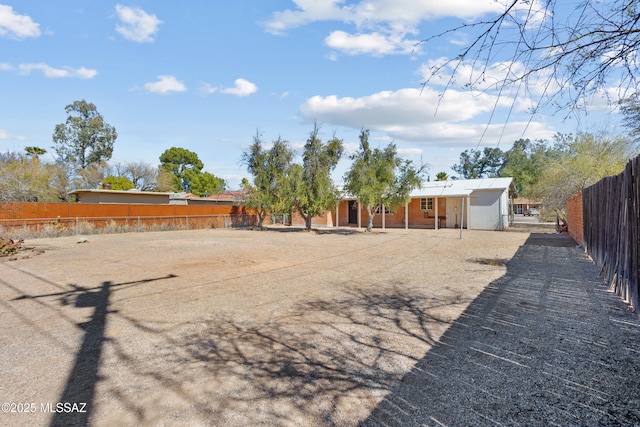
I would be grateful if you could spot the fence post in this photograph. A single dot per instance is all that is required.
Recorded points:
(77, 227)
(187, 218)
(138, 223)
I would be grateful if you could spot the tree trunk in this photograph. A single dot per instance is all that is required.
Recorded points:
(370, 215)
(261, 217)
(307, 222)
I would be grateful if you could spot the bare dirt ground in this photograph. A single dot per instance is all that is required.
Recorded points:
(230, 327)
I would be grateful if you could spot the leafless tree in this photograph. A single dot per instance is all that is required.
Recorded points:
(560, 53)
(143, 175)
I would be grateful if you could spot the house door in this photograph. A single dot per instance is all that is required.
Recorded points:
(454, 212)
(353, 211)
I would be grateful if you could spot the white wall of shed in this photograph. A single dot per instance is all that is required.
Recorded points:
(486, 210)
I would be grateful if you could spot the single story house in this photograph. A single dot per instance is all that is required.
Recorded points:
(230, 198)
(119, 196)
(475, 204)
(520, 205)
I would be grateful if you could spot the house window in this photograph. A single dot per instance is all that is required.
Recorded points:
(426, 204)
(387, 211)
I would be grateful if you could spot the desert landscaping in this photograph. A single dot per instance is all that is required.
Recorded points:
(231, 327)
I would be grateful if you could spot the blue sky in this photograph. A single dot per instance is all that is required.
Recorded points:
(207, 75)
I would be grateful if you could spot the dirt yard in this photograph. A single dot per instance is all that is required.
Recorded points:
(230, 327)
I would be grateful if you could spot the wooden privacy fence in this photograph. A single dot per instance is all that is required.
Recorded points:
(611, 213)
(50, 219)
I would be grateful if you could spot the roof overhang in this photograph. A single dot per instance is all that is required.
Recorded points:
(130, 192)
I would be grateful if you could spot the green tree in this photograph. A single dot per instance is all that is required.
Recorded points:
(204, 184)
(179, 161)
(630, 109)
(271, 187)
(442, 176)
(314, 190)
(379, 177)
(166, 181)
(480, 164)
(121, 183)
(84, 139)
(525, 162)
(35, 152)
(583, 160)
(184, 173)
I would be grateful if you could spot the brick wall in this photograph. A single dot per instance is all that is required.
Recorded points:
(417, 218)
(574, 218)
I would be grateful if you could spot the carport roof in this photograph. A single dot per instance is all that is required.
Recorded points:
(462, 187)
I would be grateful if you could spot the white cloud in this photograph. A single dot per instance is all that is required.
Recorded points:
(17, 26)
(410, 115)
(5, 135)
(242, 88)
(374, 43)
(373, 13)
(382, 26)
(165, 84)
(51, 72)
(308, 11)
(136, 24)
(207, 89)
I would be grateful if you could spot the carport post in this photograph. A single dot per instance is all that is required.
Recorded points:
(462, 217)
(437, 220)
(359, 215)
(337, 214)
(406, 215)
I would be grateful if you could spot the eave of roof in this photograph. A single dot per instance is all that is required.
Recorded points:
(462, 187)
(136, 192)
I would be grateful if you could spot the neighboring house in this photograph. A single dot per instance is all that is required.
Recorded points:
(476, 204)
(117, 196)
(520, 205)
(230, 198)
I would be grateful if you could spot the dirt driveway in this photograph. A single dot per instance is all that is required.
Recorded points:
(230, 327)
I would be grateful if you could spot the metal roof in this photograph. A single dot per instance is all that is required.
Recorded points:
(461, 187)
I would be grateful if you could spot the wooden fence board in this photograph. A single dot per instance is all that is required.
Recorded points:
(611, 221)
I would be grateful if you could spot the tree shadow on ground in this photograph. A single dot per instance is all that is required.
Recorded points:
(543, 345)
(341, 231)
(344, 231)
(322, 362)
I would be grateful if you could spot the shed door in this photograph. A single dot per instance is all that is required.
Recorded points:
(487, 214)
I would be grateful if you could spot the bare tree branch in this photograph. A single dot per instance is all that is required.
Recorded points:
(561, 54)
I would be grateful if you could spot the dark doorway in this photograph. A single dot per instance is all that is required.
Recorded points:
(353, 211)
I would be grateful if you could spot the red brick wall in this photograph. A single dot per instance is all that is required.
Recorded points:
(417, 217)
(574, 218)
